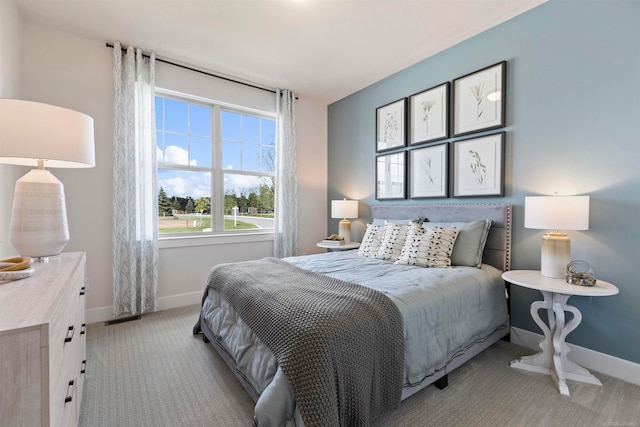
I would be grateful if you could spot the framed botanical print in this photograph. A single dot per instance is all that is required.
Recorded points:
(429, 115)
(479, 100)
(478, 166)
(428, 171)
(390, 176)
(391, 125)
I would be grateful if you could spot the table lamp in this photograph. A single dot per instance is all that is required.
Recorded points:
(556, 213)
(344, 209)
(35, 134)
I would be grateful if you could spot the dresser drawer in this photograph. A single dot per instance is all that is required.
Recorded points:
(66, 327)
(42, 345)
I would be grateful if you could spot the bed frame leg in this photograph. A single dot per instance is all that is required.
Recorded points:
(442, 382)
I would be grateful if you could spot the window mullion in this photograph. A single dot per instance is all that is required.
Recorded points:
(217, 177)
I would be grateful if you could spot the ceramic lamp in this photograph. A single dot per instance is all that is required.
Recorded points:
(556, 213)
(344, 209)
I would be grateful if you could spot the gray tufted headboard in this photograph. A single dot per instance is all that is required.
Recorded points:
(497, 251)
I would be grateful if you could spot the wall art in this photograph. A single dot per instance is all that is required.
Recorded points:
(429, 115)
(390, 176)
(391, 125)
(428, 171)
(478, 166)
(479, 100)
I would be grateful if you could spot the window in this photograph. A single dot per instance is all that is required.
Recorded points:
(215, 167)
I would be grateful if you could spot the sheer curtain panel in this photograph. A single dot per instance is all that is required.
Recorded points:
(285, 238)
(135, 196)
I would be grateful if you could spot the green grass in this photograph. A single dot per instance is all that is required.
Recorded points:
(202, 222)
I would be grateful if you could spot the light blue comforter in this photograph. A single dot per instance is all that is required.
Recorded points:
(444, 311)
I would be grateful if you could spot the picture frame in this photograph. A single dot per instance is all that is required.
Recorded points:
(479, 100)
(391, 125)
(391, 176)
(478, 166)
(429, 115)
(429, 171)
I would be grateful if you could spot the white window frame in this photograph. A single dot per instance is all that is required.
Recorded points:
(221, 236)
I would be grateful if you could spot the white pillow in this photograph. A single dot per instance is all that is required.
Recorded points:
(428, 247)
(371, 241)
(393, 238)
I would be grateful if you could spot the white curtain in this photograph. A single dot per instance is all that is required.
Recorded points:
(286, 220)
(135, 196)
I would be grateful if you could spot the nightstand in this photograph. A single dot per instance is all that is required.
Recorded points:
(553, 359)
(345, 247)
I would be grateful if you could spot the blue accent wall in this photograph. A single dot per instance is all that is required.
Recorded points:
(573, 127)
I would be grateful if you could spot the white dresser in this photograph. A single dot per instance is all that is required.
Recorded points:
(43, 344)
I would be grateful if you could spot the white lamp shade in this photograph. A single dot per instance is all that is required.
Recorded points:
(344, 208)
(30, 131)
(556, 212)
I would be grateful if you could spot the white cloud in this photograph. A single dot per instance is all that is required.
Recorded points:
(176, 155)
(183, 184)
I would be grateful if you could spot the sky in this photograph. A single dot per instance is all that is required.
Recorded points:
(183, 138)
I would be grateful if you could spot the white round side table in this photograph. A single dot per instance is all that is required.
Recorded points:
(553, 359)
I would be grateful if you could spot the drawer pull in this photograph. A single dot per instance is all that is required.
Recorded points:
(83, 330)
(70, 333)
(83, 367)
(70, 391)
(82, 290)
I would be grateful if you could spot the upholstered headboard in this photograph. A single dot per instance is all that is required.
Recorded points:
(497, 251)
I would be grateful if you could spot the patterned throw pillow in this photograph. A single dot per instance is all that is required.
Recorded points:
(393, 238)
(371, 241)
(428, 247)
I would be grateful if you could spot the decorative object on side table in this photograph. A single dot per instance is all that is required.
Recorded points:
(556, 213)
(479, 100)
(344, 209)
(33, 133)
(553, 359)
(333, 240)
(580, 273)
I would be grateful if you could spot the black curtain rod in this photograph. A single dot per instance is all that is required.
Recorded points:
(203, 72)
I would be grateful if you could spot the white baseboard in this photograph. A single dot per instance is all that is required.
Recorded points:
(102, 314)
(590, 359)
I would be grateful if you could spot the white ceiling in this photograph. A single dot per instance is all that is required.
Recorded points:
(327, 49)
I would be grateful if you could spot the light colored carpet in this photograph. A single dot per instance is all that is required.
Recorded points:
(154, 372)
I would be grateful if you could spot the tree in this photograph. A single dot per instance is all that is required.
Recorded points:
(164, 204)
(176, 205)
(254, 201)
(189, 208)
(203, 205)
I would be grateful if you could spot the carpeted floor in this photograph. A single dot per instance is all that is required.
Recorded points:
(154, 372)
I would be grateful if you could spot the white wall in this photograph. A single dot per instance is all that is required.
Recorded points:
(75, 72)
(10, 47)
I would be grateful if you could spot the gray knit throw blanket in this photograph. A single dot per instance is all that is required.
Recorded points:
(340, 345)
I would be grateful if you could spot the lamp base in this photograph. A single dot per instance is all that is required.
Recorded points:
(344, 230)
(39, 217)
(555, 254)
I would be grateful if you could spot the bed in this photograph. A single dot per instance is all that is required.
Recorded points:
(446, 316)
